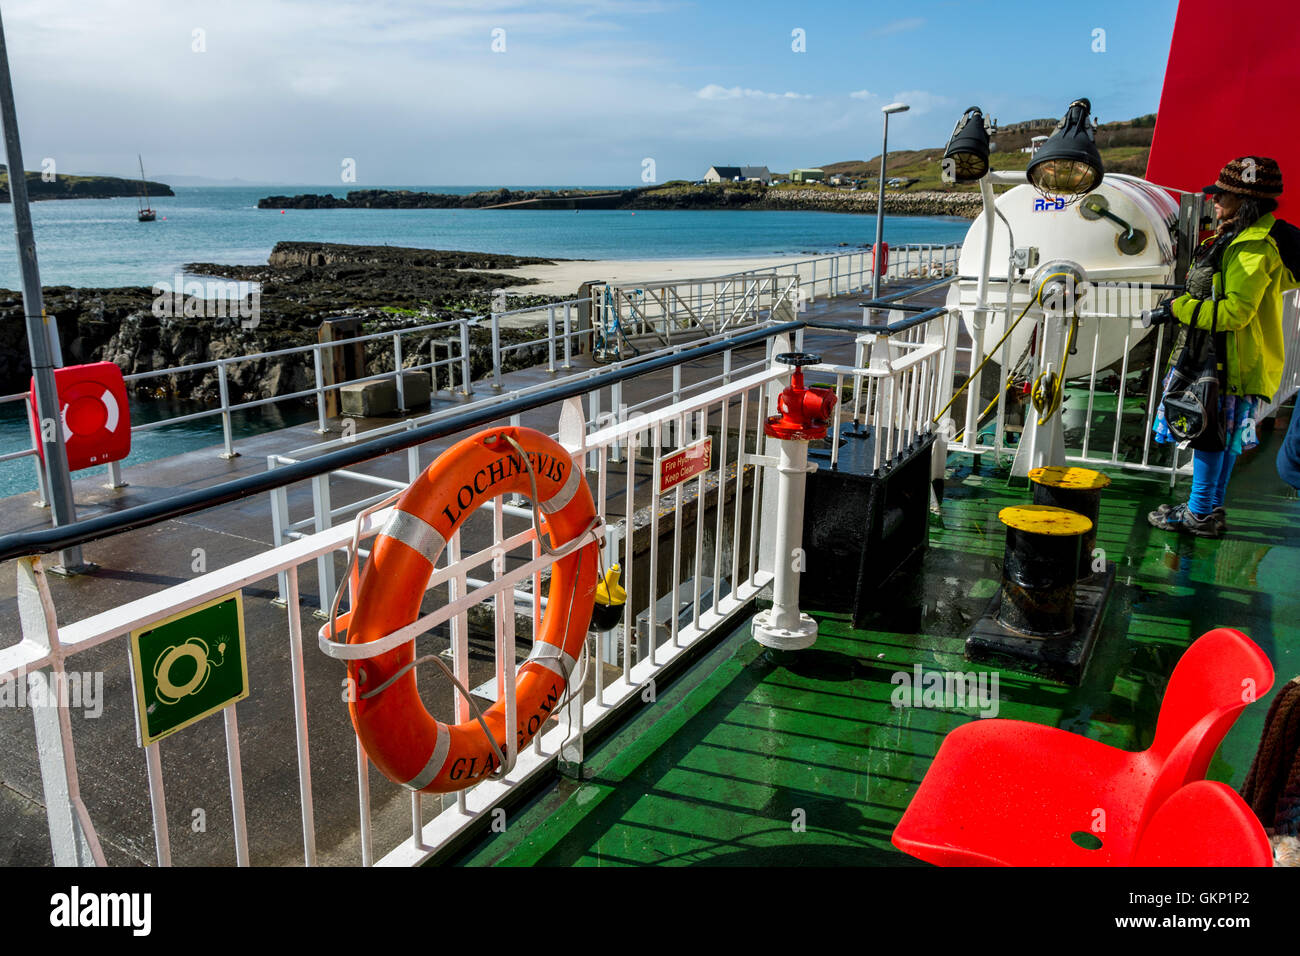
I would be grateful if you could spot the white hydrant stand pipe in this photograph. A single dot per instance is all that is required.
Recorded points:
(784, 627)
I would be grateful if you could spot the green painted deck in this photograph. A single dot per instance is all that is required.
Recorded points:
(749, 760)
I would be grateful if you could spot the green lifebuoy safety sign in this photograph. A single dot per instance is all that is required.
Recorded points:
(188, 666)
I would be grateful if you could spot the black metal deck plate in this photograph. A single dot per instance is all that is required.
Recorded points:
(1063, 659)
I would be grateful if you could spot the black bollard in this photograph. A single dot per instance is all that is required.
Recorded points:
(1074, 489)
(1039, 569)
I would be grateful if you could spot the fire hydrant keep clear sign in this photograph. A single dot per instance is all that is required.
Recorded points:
(684, 464)
(188, 666)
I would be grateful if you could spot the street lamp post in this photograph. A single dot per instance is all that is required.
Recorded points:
(880, 199)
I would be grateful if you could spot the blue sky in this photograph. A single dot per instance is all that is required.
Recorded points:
(576, 91)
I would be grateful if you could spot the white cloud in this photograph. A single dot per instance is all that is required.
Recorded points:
(413, 92)
(715, 92)
(898, 26)
(315, 84)
(923, 101)
(284, 90)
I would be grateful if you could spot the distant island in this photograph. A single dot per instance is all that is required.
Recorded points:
(915, 184)
(80, 187)
(678, 194)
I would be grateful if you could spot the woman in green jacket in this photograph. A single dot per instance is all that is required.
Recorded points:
(1239, 278)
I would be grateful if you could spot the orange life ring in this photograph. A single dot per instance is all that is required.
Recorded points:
(398, 733)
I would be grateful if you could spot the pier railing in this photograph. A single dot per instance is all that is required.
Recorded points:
(568, 331)
(715, 563)
(850, 272)
(625, 313)
(923, 260)
(449, 367)
(658, 309)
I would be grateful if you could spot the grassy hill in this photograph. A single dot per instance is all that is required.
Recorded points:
(1124, 149)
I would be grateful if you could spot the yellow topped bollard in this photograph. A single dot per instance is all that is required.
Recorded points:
(1068, 478)
(1047, 615)
(1044, 519)
(1078, 490)
(1039, 567)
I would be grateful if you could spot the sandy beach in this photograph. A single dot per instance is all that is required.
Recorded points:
(564, 278)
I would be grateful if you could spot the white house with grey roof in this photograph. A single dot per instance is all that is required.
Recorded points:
(731, 174)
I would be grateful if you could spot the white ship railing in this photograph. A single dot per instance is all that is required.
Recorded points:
(603, 405)
(1132, 421)
(1291, 364)
(898, 388)
(659, 310)
(716, 303)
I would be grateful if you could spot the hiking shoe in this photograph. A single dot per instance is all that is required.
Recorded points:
(1181, 518)
(1161, 518)
(1220, 517)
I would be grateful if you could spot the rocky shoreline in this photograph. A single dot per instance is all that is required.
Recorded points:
(406, 199)
(669, 196)
(302, 284)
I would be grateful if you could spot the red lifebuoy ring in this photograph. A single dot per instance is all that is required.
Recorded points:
(398, 733)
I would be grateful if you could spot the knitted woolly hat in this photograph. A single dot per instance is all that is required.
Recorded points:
(1256, 176)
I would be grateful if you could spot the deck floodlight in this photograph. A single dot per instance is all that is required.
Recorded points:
(1069, 163)
(966, 159)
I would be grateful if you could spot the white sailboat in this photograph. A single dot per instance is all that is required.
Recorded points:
(146, 213)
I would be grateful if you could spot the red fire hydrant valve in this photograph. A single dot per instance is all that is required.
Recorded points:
(805, 412)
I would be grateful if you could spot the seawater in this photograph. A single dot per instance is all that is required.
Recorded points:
(19, 476)
(99, 243)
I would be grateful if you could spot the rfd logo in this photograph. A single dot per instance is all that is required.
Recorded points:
(1043, 205)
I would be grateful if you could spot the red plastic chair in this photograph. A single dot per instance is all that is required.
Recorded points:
(1012, 793)
(1204, 824)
